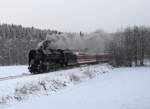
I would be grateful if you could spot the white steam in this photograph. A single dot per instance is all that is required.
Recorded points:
(93, 42)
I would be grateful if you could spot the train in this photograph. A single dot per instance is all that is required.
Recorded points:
(42, 61)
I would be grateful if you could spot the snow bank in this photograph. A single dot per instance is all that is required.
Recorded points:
(15, 90)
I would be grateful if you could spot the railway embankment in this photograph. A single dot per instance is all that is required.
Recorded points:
(23, 87)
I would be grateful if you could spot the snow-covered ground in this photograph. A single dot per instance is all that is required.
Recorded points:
(6, 71)
(14, 90)
(121, 88)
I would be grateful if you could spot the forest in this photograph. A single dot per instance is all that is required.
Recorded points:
(16, 41)
(129, 46)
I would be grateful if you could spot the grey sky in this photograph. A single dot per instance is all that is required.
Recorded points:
(76, 15)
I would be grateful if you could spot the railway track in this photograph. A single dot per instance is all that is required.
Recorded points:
(14, 77)
(27, 75)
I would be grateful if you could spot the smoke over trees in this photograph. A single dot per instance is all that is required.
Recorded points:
(91, 43)
(16, 42)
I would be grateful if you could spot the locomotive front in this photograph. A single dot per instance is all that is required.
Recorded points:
(35, 61)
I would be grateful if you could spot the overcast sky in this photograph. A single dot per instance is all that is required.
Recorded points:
(76, 15)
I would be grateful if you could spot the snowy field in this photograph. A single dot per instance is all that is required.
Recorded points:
(119, 88)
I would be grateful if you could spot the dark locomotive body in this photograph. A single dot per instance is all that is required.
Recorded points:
(41, 61)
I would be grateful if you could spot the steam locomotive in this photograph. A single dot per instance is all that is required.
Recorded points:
(41, 61)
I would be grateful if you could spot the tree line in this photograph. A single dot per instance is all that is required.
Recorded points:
(130, 46)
